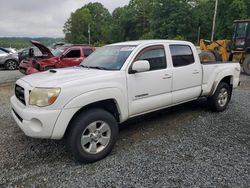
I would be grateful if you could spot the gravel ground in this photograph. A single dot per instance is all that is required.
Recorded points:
(9, 76)
(184, 146)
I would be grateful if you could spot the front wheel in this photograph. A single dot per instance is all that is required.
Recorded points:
(11, 65)
(92, 135)
(220, 99)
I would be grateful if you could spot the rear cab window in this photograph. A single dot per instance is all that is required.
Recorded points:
(182, 55)
(87, 51)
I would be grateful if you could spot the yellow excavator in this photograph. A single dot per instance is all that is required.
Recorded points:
(238, 49)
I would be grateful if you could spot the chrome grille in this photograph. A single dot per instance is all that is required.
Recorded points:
(19, 92)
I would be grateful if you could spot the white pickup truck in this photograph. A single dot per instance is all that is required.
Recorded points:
(85, 104)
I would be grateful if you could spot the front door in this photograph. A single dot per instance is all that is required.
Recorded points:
(152, 89)
(72, 57)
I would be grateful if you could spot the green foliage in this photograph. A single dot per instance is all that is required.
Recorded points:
(152, 19)
(93, 16)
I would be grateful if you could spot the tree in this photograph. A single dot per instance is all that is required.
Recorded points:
(152, 19)
(93, 15)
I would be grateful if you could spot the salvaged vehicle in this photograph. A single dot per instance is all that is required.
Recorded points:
(85, 104)
(25, 53)
(64, 56)
(8, 60)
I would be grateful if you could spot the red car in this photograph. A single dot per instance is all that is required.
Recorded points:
(64, 56)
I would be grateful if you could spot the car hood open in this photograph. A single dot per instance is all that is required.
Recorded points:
(42, 48)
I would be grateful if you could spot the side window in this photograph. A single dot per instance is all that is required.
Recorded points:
(75, 53)
(182, 55)
(87, 51)
(155, 56)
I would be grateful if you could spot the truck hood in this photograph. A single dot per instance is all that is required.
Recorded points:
(58, 77)
(42, 48)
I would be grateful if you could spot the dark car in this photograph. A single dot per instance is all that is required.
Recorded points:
(8, 60)
(25, 53)
(65, 56)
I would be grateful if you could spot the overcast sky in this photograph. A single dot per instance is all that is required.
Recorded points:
(41, 18)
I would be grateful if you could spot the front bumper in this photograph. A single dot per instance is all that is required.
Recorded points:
(36, 123)
(27, 69)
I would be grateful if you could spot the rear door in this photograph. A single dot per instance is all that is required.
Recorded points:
(187, 74)
(72, 57)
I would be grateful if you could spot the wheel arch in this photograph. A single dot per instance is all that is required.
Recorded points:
(110, 105)
(108, 99)
(227, 79)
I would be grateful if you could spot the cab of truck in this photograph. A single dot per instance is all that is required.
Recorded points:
(65, 56)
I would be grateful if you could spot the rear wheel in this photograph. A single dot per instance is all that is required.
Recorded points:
(11, 65)
(220, 99)
(92, 135)
(207, 56)
(246, 65)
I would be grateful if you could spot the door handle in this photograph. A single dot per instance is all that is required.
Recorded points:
(167, 76)
(196, 72)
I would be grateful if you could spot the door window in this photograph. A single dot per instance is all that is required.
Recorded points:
(73, 54)
(182, 55)
(155, 56)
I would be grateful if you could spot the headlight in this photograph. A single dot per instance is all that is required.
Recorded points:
(43, 96)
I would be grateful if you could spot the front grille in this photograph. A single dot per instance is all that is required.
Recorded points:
(19, 92)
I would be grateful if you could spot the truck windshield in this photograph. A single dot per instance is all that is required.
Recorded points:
(108, 57)
(241, 30)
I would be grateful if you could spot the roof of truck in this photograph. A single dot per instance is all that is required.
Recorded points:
(237, 21)
(139, 42)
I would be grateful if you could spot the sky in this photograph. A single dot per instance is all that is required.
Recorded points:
(42, 18)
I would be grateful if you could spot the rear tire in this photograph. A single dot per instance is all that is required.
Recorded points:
(207, 56)
(11, 65)
(218, 102)
(92, 135)
(246, 65)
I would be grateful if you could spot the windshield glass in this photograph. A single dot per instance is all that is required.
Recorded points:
(109, 57)
(58, 51)
(241, 30)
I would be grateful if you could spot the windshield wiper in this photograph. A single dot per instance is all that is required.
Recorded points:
(84, 66)
(94, 67)
(97, 67)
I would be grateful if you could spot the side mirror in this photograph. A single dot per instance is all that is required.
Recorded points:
(140, 66)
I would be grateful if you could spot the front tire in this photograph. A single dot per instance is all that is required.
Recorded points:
(218, 102)
(11, 65)
(92, 135)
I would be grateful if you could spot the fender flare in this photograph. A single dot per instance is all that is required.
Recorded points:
(77, 103)
(101, 94)
(219, 77)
